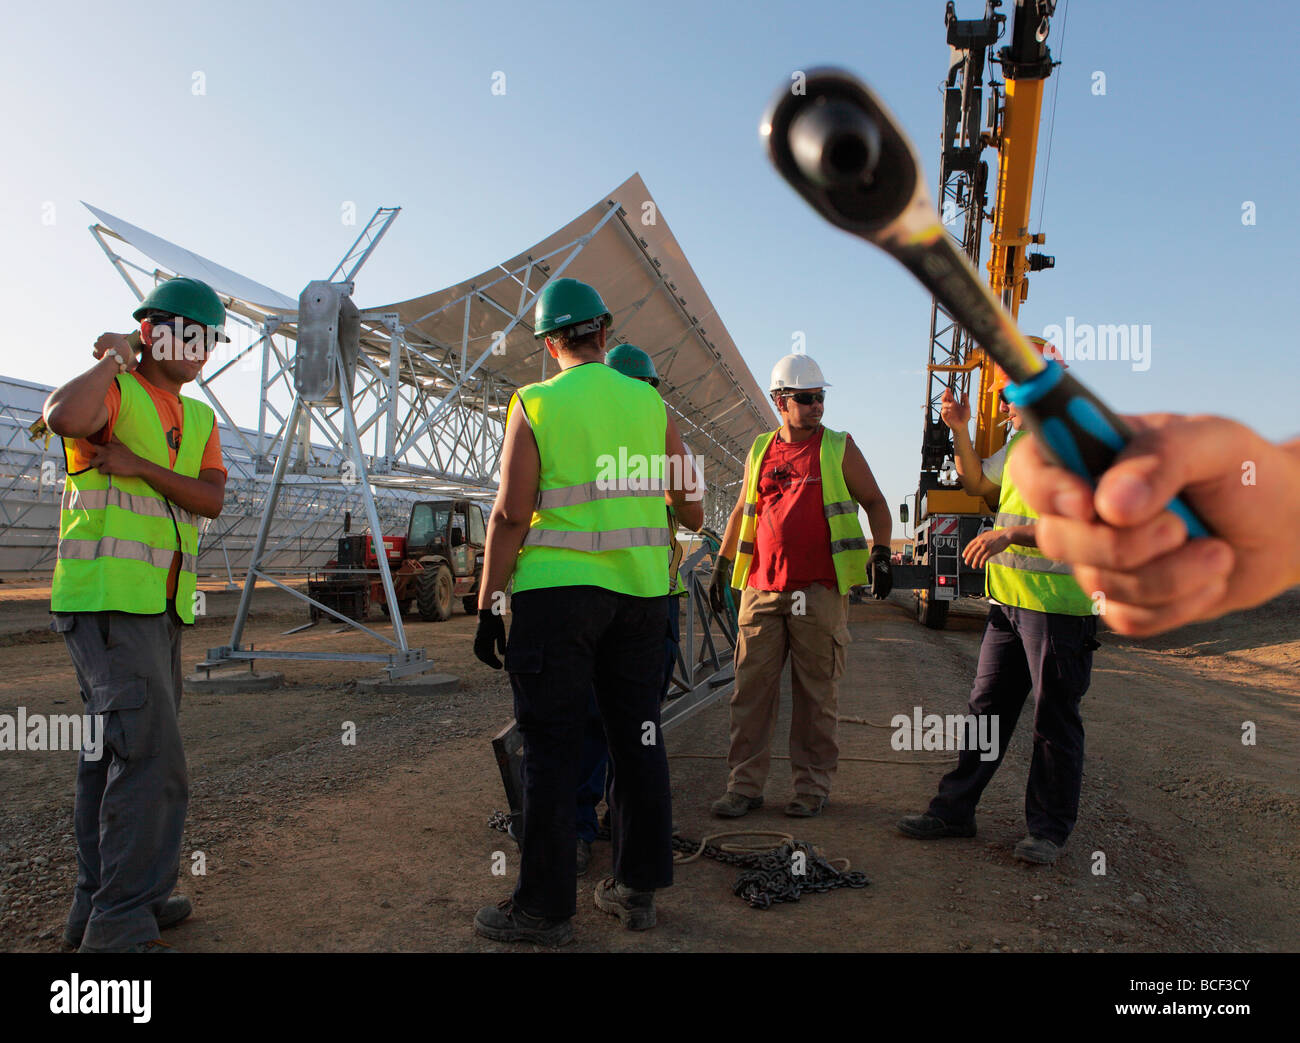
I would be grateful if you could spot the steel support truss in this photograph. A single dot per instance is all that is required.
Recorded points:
(424, 418)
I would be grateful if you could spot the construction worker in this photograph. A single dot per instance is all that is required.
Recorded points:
(579, 524)
(144, 463)
(1038, 639)
(632, 362)
(1122, 542)
(798, 547)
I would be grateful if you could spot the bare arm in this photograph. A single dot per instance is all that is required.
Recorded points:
(686, 500)
(521, 468)
(994, 541)
(77, 410)
(956, 414)
(970, 469)
(863, 488)
(204, 495)
(731, 537)
(1122, 541)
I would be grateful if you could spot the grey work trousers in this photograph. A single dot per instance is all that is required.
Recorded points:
(131, 802)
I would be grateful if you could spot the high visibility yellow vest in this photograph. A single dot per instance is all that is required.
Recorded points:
(1024, 577)
(849, 549)
(117, 535)
(600, 519)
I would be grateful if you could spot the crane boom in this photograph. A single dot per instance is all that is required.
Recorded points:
(947, 517)
(1026, 63)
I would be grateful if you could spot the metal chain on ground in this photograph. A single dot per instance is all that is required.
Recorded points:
(768, 878)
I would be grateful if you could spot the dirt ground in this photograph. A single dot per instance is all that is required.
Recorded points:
(313, 845)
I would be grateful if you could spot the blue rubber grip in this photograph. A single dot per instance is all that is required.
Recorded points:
(1080, 431)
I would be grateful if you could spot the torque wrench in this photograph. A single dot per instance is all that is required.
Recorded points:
(844, 152)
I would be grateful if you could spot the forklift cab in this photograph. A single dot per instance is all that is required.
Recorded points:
(450, 529)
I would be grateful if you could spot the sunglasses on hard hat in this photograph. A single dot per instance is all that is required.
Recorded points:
(807, 398)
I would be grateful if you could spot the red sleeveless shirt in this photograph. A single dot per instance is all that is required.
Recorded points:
(792, 548)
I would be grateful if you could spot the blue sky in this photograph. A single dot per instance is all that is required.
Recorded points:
(311, 105)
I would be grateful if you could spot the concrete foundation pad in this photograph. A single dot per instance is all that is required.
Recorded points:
(228, 681)
(414, 684)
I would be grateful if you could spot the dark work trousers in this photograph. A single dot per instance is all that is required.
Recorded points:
(593, 768)
(1049, 656)
(674, 639)
(564, 642)
(130, 803)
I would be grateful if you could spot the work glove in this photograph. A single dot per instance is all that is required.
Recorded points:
(719, 583)
(882, 579)
(490, 637)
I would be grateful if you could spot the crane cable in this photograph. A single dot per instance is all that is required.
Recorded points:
(1051, 127)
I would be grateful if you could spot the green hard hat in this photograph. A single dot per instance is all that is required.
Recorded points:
(188, 298)
(631, 361)
(568, 302)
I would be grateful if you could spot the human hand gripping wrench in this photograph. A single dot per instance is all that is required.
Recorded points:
(844, 152)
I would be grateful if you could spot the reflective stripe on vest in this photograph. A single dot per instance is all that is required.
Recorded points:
(1024, 577)
(848, 544)
(596, 542)
(126, 550)
(585, 492)
(600, 518)
(117, 535)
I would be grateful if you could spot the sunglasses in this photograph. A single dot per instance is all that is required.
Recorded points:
(188, 331)
(807, 398)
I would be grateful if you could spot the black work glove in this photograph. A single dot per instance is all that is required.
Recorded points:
(882, 579)
(719, 583)
(490, 637)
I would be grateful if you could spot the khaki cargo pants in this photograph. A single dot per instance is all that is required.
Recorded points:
(809, 626)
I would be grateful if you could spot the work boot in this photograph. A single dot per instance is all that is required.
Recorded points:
(506, 922)
(174, 910)
(806, 805)
(930, 827)
(1038, 850)
(733, 804)
(584, 856)
(634, 909)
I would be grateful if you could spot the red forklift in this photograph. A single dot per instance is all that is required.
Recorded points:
(439, 560)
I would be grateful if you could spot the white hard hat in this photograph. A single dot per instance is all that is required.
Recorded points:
(797, 373)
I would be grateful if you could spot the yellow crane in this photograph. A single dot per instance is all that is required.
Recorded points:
(946, 516)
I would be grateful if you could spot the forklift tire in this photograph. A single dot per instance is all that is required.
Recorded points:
(433, 591)
(930, 611)
(407, 609)
(470, 604)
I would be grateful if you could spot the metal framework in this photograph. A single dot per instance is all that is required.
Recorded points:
(308, 519)
(430, 387)
(963, 198)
